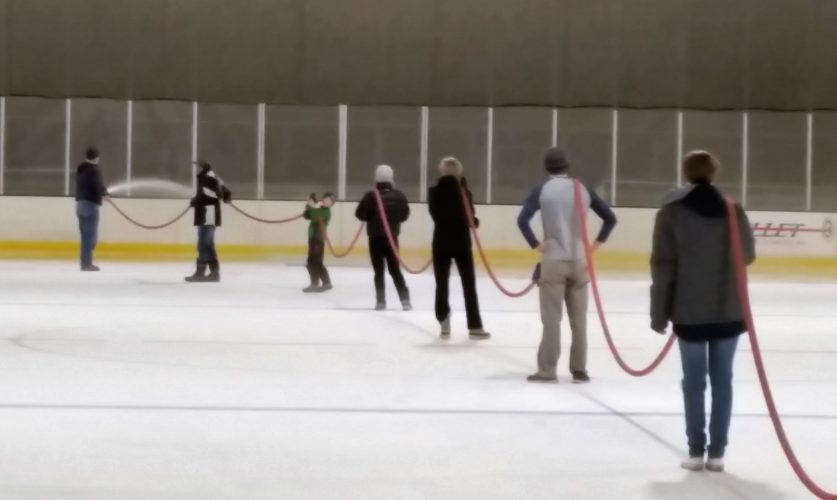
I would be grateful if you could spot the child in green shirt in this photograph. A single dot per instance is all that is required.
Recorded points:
(319, 213)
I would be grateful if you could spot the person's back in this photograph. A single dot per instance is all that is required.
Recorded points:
(90, 185)
(396, 207)
(559, 216)
(451, 227)
(693, 232)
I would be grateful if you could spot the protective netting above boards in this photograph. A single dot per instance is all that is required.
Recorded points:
(698, 54)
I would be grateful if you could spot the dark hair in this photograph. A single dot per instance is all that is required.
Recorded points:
(91, 153)
(329, 195)
(555, 161)
(700, 167)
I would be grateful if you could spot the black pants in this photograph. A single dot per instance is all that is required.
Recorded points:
(316, 256)
(383, 258)
(442, 260)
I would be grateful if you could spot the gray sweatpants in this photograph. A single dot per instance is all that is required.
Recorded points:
(563, 281)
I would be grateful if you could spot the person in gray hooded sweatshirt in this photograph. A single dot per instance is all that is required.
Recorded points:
(563, 269)
(694, 288)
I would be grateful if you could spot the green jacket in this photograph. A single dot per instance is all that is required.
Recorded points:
(315, 215)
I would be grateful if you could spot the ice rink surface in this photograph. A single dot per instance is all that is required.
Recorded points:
(130, 384)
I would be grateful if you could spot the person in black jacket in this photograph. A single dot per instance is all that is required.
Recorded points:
(452, 243)
(210, 191)
(90, 191)
(397, 210)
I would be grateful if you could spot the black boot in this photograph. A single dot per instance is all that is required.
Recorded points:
(380, 300)
(200, 273)
(326, 280)
(214, 271)
(404, 295)
(314, 287)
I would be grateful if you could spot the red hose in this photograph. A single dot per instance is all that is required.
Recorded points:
(581, 210)
(335, 253)
(148, 226)
(391, 239)
(744, 296)
(265, 221)
(472, 224)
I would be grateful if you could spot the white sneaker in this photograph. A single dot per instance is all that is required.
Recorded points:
(715, 465)
(478, 334)
(694, 464)
(445, 328)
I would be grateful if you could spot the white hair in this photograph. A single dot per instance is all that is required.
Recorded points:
(451, 166)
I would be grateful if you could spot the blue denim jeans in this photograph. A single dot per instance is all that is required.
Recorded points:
(88, 225)
(715, 359)
(206, 244)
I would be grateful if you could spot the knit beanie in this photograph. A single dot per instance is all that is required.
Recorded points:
(384, 175)
(555, 162)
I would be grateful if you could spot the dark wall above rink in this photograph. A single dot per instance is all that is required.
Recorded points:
(702, 54)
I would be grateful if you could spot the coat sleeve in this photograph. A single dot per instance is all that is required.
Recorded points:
(470, 198)
(363, 208)
(663, 270)
(432, 204)
(524, 220)
(748, 241)
(100, 182)
(404, 203)
(605, 213)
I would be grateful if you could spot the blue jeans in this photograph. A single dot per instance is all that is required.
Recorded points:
(206, 244)
(88, 225)
(713, 358)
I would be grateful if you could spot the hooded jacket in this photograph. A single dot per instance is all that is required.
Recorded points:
(451, 231)
(396, 207)
(693, 278)
(90, 185)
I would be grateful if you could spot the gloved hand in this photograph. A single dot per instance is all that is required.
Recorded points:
(192, 203)
(226, 194)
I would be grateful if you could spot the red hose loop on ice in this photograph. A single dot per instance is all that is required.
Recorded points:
(581, 210)
(744, 296)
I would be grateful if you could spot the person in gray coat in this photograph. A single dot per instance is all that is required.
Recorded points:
(694, 289)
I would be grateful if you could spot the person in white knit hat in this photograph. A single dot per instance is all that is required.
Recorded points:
(397, 210)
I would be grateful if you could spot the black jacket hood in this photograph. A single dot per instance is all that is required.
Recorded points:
(702, 199)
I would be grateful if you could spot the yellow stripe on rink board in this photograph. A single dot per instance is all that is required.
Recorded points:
(520, 260)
